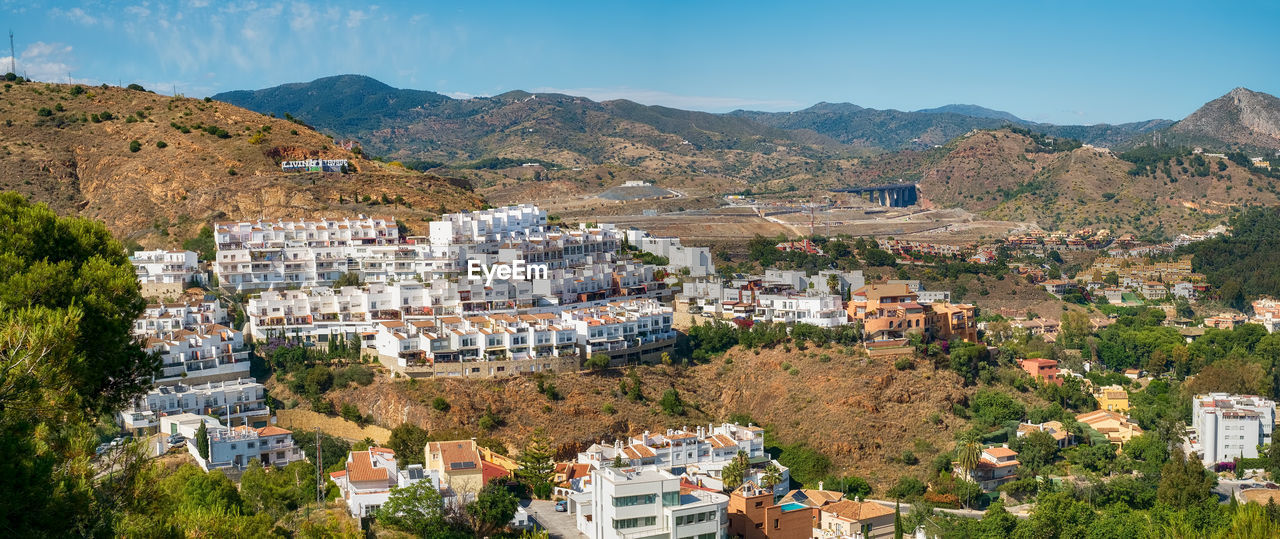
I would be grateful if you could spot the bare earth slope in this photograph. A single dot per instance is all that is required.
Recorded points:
(225, 164)
(860, 413)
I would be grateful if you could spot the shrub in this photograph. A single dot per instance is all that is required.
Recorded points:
(106, 116)
(902, 364)
(440, 404)
(135, 146)
(231, 172)
(161, 144)
(909, 458)
(608, 408)
(58, 107)
(44, 112)
(77, 90)
(208, 100)
(136, 87)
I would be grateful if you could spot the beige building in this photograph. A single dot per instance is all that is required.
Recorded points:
(1116, 427)
(458, 464)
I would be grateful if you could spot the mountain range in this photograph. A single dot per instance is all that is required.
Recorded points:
(428, 125)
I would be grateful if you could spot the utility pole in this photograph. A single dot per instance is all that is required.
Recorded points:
(319, 471)
(13, 56)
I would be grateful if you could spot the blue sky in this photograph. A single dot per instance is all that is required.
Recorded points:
(1061, 62)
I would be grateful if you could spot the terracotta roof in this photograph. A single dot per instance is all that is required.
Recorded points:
(361, 468)
(457, 455)
(857, 511)
(721, 441)
(272, 430)
(1000, 452)
(638, 451)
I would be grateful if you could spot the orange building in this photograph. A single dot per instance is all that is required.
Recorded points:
(889, 312)
(1042, 369)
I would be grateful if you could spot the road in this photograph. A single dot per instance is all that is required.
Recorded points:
(1227, 488)
(558, 525)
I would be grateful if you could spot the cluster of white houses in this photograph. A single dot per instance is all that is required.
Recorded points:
(165, 274)
(778, 296)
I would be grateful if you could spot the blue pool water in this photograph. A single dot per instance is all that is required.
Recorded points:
(792, 506)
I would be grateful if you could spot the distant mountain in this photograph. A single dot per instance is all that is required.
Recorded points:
(896, 130)
(563, 129)
(1242, 119)
(975, 111)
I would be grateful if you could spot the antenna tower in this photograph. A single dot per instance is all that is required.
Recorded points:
(13, 56)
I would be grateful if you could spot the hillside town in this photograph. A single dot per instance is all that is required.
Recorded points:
(415, 307)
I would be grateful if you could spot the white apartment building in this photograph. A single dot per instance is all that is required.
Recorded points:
(628, 331)
(767, 301)
(494, 225)
(206, 353)
(166, 273)
(818, 283)
(1226, 426)
(697, 260)
(647, 502)
(237, 402)
(366, 481)
(700, 454)
(489, 346)
(234, 447)
(158, 319)
(267, 254)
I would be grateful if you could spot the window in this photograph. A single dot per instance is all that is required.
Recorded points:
(622, 524)
(642, 499)
(671, 498)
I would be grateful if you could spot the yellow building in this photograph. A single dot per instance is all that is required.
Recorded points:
(459, 464)
(1114, 426)
(1112, 399)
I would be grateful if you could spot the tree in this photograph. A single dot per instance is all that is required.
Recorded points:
(417, 509)
(1184, 483)
(597, 362)
(733, 472)
(351, 413)
(492, 510)
(671, 403)
(897, 520)
(202, 441)
(440, 404)
(907, 488)
(536, 467)
(1035, 450)
(350, 278)
(772, 476)
(967, 454)
(409, 441)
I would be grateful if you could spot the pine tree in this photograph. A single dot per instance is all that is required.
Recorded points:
(202, 441)
(897, 521)
(536, 467)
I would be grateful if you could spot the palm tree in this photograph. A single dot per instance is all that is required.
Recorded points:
(968, 452)
(772, 476)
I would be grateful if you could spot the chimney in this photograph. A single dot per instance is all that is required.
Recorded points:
(820, 486)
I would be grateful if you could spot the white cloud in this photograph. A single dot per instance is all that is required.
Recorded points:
(668, 99)
(76, 15)
(44, 62)
(355, 17)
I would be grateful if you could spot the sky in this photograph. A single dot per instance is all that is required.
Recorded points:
(1078, 62)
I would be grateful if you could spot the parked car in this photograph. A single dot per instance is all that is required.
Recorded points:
(562, 506)
(177, 439)
(102, 448)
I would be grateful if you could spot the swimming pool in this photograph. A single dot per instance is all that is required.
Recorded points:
(792, 506)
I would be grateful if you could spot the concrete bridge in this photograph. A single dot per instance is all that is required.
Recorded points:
(898, 195)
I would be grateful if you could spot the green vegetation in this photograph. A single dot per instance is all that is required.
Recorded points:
(1240, 266)
(135, 146)
(203, 244)
(714, 337)
(497, 163)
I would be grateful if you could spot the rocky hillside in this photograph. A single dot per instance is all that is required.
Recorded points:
(1023, 176)
(155, 168)
(1242, 119)
(861, 413)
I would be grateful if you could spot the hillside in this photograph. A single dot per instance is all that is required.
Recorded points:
(567, 131)
(870, 412)
(896, 130)
(1011, 175)
(975, 111)
(194, 161)
(1241, 119)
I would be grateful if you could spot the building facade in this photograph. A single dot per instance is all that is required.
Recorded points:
(1225, 427)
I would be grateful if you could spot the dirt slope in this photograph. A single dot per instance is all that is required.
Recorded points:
(225, 164)
(860, 413)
